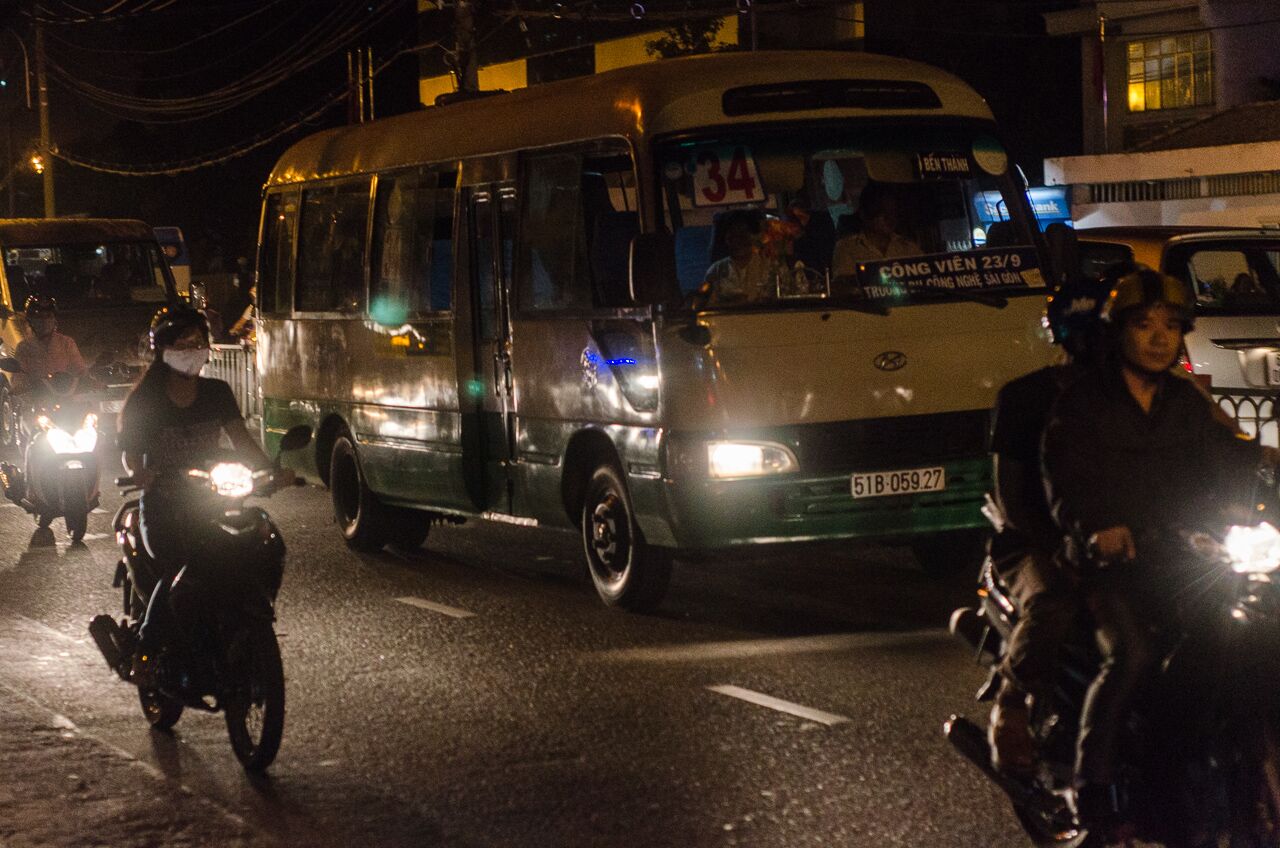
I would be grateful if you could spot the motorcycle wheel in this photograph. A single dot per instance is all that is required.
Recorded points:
(77, 525)
(254, 702)
(8, 419)
(162, 712)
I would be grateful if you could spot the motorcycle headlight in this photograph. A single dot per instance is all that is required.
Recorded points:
(60, 440)
(748, 459)
(1253, 550)
(231, 479)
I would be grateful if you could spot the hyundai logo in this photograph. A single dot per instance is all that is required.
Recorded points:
(890, 360)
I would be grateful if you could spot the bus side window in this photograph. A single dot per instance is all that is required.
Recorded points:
(331, 248)
(576, 225)
(275, 256)
(412, 252)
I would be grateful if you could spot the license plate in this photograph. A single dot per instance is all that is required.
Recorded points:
(112, 405)
(879, 484)
(1273, 367)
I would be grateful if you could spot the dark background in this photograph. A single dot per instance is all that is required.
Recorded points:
(188, 48)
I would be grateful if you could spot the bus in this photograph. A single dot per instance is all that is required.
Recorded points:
(499, 308)
(108, 276)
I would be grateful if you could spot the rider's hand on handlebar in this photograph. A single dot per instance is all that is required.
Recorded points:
(1115, 544)
(283, 477)
(143, 478)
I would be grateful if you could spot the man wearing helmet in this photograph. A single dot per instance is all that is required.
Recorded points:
(1131, 450)
(46, 352)
(1023, 548)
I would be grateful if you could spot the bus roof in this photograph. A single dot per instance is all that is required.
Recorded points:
(41, 232)
(655, 97)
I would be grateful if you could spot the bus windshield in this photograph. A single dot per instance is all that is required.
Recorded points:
(896, 214)
(87, 274)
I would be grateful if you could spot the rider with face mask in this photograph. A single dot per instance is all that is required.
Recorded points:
(1131, 452)
(46, 352)
(172, 420)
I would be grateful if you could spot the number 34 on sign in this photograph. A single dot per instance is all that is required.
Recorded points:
(726, 175)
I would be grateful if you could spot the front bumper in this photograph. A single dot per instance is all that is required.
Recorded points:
(711, 514)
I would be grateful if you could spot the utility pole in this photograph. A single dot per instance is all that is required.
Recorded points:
(46, 147)
(464, 31)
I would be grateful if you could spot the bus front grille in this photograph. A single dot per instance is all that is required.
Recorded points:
(889, 443)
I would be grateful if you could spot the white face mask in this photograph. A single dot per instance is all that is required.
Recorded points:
(188, 362)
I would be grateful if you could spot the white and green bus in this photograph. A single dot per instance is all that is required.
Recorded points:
(497, 309)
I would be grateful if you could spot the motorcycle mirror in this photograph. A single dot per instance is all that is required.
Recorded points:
(296, 438)
(8, 363)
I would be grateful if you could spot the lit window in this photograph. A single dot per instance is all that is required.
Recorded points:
(1174, 72)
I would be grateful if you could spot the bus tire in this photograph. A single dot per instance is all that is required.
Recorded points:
(407, 529)
(947, 554)
(360, 517)
(626, 571)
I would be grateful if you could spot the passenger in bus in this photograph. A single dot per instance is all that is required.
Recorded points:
(880, 237)
(46, 352)
(746, 275)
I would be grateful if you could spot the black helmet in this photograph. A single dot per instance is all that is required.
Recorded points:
(1141, 287)
(1073, 311)
(40, 303)
(172, 321)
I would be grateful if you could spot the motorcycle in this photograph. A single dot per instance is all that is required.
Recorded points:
(220, 651)
(60, 430)
(1200, 750)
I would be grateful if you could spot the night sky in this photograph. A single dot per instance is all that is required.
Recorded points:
(161, 84)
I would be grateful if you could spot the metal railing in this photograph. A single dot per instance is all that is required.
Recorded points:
(237, 366)
(1255, 412)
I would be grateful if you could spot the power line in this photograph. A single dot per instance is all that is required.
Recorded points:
(183, 166)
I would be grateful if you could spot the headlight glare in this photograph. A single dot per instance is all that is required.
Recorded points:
(231, 479)
(748, 459)
(1253, 550)
(60, 440)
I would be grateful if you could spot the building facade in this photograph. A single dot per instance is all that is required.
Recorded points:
(1181, 119)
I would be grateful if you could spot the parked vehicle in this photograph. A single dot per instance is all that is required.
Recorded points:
(108, 277)
(531, 349)
(1201, 749)
(224, 655)
(1235, 276)
(59, 427)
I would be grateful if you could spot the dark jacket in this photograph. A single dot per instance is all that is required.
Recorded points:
(1107, 463)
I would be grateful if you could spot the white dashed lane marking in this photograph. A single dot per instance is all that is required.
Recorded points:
(763, 700)
(420, 603)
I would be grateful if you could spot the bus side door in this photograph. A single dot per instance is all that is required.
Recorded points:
(488, 410)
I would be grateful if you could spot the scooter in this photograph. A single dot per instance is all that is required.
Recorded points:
(220, 652)
(61, 469)
(1201, 749)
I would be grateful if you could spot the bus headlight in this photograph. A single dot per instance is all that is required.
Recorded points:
(748, 459)
(1253, 550)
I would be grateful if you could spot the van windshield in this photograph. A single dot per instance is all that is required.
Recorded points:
(893, 214)
(86, 274)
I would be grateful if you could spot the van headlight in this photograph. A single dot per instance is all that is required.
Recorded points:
(1253, 550)
(727, 460)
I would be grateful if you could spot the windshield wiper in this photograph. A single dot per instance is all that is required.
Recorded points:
(995, 301)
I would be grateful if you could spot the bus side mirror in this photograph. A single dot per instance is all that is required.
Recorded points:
(1064, 255)
(653, 269)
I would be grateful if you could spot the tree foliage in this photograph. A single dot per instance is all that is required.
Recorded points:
(686, 38)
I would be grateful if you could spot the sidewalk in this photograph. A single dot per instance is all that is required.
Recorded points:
(62, 787)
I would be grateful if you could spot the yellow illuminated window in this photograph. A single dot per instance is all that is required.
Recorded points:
(1174, 72)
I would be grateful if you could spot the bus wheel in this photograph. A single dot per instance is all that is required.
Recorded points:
(627, 572)
(357, 511)
(947, 554)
